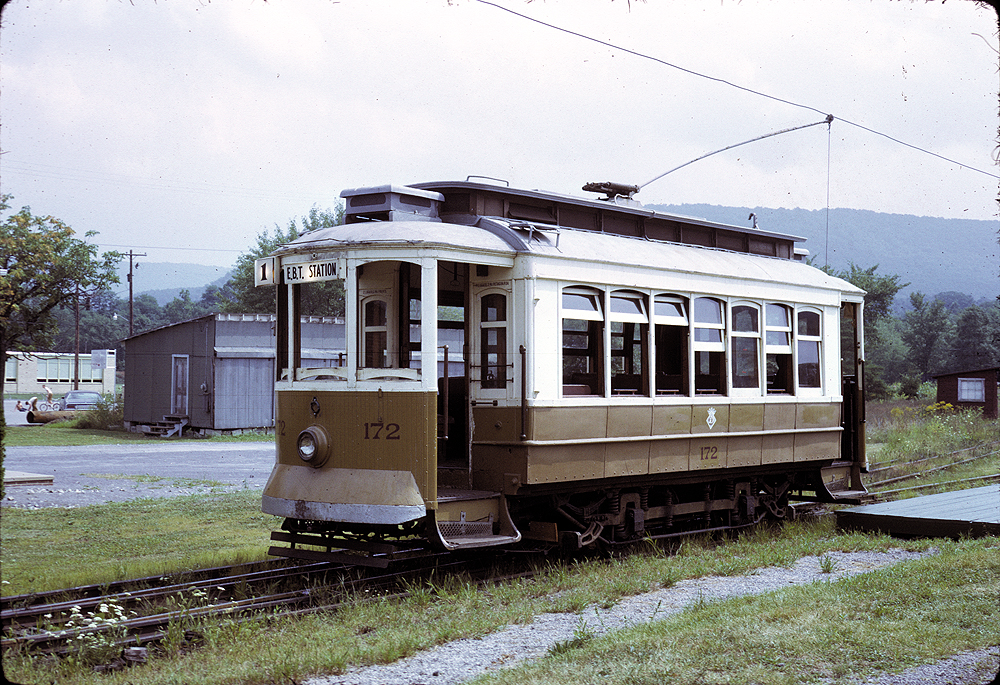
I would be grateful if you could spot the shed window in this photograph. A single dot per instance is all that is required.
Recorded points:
(971, 390)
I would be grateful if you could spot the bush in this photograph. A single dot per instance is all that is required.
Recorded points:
(876, 389)
(910, 387)
(109, 415)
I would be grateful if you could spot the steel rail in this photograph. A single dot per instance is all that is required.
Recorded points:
(924, 472)
(154, 627)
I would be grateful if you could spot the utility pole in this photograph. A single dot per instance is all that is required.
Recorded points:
(76, 345)
(131, 316)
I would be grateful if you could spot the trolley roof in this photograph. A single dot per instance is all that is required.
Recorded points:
(507, 239)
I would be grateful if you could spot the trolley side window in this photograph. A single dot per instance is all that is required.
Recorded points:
(746, 347)
(809, 347)
(778, 347)
(493, 341)
(583, 341)
(709, 346)
(670, 319)
(629, 343)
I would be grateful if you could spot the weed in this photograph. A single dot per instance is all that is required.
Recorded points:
(100, 641)
(582, 635)
(827, 564)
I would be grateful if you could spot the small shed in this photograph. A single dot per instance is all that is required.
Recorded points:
(214, 373)
(968, 389)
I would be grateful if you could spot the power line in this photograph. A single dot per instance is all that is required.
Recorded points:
(49, 171)
(728, 83)
(172, 247)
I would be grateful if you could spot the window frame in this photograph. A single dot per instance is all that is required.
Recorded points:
(817, 342)
(783, 353)
(715, 350)
(738, 361)
(640, 317)
(497, 388)
(683, 324)
(596, 332)
(963, 386)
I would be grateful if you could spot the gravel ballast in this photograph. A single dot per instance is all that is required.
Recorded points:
(463, 660)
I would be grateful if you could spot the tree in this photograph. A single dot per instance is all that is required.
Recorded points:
(925, 331)
(323, 299)
(974, 345)
(183, 308)
(46, 266)
(880, 293)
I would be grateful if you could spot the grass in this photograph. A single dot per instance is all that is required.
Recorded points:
(49, 549)
(63, 434)
(837, 629)
(902, 432)
(903, 616)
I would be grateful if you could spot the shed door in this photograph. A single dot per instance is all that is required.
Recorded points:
(179, 385)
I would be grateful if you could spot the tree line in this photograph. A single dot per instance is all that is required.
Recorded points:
(905, 347)
(58, 290)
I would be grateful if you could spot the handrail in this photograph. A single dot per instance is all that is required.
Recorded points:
(445, 398)
(524, 393)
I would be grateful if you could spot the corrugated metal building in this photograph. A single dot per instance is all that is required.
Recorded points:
(214, 373)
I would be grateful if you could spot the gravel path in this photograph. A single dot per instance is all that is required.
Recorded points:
(463, 660)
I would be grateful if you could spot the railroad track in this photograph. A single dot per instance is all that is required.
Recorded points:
(924, 467)
(142, 612)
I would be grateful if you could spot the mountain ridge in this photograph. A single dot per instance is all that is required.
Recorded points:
(922, 250)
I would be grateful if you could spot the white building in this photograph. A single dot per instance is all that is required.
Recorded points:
(27, 372)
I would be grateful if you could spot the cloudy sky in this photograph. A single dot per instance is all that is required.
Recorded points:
(184, 128)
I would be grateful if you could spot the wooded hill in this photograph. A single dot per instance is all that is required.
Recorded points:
(934, 255)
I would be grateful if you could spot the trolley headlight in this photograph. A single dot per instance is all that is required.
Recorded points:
(313, 446)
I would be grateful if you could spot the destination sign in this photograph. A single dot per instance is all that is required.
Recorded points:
(307, 272)
(267, 271)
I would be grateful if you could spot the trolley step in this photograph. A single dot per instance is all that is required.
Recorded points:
(473, 518)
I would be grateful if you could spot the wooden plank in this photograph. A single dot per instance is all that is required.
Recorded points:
(334, 557)
(974, 512)
(24, 478)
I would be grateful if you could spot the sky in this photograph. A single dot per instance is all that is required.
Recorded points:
(183, 129)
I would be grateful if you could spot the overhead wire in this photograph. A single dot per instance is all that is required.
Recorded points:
(642, 55)
(89, 176)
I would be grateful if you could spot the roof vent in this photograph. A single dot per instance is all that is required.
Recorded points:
(391, 203)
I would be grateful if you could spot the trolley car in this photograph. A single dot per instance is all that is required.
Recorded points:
(528, 365)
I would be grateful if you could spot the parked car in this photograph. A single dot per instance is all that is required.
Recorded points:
(79, 400)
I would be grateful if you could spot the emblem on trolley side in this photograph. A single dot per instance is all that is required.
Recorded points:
(711, 418)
